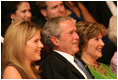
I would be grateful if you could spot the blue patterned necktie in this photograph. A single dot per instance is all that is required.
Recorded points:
(81, 66)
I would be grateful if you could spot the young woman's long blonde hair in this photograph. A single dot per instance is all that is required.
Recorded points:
(15, 40)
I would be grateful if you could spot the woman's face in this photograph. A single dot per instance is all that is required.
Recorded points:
(94, 47)
(33, 48)
(23, 12)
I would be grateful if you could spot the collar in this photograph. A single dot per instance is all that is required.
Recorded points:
(69, 57)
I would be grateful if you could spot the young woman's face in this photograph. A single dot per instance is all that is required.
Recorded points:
(33, 48)
(94, 47)
(23, 12)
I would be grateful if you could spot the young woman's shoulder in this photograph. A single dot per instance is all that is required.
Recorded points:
(11, 72)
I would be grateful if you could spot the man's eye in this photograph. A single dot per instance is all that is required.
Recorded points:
(29, 10)
(62, 4)
(71, 33)
(54, 7)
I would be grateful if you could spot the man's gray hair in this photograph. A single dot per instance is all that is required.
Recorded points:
(52, 28)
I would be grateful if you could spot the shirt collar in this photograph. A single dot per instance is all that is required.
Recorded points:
(69, 57)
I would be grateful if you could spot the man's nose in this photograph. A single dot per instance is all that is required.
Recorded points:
(76, 35)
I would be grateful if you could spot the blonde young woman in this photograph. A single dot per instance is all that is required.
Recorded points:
(21, 47)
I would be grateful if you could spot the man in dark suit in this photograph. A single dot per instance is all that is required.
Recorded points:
(60, 34)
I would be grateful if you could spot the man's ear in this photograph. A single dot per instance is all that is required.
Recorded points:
(43, 12)
(12, 16)
(54, 40)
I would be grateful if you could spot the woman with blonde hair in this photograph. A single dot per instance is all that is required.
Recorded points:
(21, 47)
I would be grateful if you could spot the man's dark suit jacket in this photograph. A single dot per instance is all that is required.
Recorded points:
(56, 66)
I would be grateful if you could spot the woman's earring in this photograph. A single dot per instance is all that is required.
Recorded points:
(12, 21)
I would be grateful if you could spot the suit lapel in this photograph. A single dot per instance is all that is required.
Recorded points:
(72, 68)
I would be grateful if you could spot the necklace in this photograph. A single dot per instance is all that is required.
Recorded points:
(99, 68)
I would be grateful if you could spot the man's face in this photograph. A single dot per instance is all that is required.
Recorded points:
(54, 9)
(68, 40)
